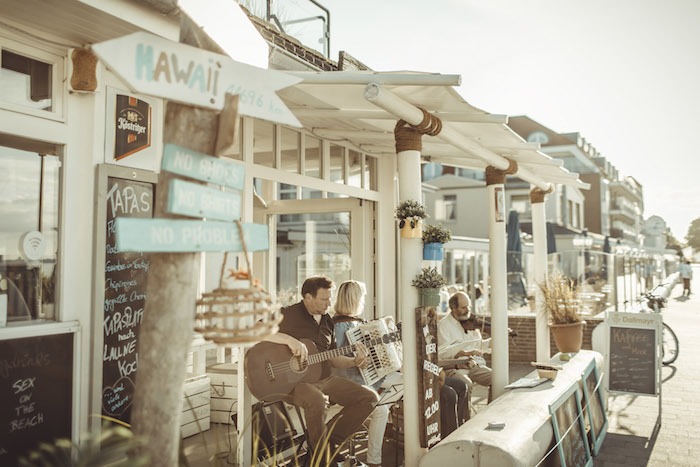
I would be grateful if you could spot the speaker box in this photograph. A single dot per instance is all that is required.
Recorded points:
(276, 431)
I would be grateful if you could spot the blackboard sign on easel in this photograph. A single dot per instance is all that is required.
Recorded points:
(633, 353)
(595, 418)
(36, 390)
(569, 430)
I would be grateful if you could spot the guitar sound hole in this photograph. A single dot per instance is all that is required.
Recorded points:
(299, 366)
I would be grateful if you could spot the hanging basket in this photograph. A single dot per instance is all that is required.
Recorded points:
(429, 297)
(433, 251)
(236, 316)
(408, 231)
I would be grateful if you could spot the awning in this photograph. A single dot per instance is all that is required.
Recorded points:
(332, 105)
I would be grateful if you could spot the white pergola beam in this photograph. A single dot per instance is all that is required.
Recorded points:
(388, 79)
(411, 114)
(372, 114)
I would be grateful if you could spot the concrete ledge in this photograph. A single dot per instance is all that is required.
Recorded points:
(528, 433)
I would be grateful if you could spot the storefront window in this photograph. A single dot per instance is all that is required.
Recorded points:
(312, 165)
(25, 81)
(370, 180)
(354, 168)
(29, 191)
(263, 143)
(289, 148)
(337, 171)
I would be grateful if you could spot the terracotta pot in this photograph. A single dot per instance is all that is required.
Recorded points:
(412, 232)
(568, 337)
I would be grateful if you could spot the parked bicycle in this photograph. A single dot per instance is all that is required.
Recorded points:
(651, 302)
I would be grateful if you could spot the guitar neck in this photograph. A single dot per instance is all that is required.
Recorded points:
(346, 351)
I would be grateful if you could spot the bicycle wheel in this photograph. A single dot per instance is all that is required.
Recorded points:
(669, 352)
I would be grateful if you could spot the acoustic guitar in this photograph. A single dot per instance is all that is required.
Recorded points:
(272, 371)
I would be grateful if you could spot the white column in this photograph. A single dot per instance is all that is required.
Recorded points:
(499, 288)
(410, 257)
(539, 237)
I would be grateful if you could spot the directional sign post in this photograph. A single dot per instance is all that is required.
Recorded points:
(175, 236)
(159, 67)
(193, 164)
(190, 199)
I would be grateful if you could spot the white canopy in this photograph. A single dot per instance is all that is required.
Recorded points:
(333, 105)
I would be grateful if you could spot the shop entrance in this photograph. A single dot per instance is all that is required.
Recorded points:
(332, 237)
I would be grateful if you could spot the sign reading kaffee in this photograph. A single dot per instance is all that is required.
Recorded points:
(159, 67)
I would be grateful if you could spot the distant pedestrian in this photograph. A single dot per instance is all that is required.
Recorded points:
(686, 272)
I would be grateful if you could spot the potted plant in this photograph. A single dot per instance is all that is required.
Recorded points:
(434, 239)
(564, 311)
(428, 283)
(410, 215)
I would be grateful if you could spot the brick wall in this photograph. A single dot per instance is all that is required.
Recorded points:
(522, 348)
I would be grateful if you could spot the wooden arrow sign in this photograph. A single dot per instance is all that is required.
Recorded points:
(168, 235)
(159, 67)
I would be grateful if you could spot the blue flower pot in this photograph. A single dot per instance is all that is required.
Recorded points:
(433, 251)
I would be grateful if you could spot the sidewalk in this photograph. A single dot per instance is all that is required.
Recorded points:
(633, 438)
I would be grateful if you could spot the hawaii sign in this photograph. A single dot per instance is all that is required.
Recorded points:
(159, 67)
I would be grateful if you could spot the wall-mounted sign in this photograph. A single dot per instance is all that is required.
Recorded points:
(190, 199)
(132, 124)
(159, 67)
(133, 129)
(167, 235)
(193, 164)
(429, 376)
(500, 204)
(32, 245)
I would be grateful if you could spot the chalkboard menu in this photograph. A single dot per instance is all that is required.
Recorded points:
(632, 360)
(596, 420)
(36, 393)
(428, 375)
(569, 431)
(126, 276)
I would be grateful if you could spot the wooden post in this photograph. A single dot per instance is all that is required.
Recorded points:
(429, 383)
(168, 320)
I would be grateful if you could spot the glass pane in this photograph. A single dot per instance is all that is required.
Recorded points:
(290, 150)
(354, 168)
(28, 234)
(312, 168)
(311, 244)
(25, 81)
(371, 165)
(337, 171)
(263, 143)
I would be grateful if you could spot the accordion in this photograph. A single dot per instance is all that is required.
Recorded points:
(383, 358)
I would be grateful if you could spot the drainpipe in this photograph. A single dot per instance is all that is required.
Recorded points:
(408, 150)
(495, 181)
(539, 237)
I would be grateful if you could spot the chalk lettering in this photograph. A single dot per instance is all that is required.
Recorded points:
(25, 360)
(431, 367)
(24, 423)
(22, 385)
(125, 369)
(118, 352)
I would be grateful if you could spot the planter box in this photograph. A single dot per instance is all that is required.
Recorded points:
(224, 391)
(195, 406)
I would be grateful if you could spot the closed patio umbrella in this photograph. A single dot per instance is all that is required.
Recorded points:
(514, 246)
(551, 241)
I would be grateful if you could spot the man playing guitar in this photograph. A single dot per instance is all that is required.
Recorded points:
(308, 320)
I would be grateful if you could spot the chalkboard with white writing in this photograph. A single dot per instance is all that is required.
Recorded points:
(126, 276)
(429, 376)
(36, 387)
(632, 360)
(569, 431)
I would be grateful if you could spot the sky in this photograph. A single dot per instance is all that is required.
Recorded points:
(625, 74)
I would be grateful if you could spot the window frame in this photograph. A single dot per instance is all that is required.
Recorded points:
(57, 63)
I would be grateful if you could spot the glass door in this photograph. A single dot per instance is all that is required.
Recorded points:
(313, 237)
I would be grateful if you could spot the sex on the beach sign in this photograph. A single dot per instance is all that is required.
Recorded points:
(160, 67)
(195, 200)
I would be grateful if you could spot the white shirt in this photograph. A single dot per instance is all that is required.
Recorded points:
(452, 338)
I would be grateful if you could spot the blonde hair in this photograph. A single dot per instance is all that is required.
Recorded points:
(350, 298)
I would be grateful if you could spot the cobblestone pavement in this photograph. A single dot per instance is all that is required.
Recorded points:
(633, 438)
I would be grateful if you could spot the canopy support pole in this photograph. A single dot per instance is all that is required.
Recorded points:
(539, 237)
(495, 181)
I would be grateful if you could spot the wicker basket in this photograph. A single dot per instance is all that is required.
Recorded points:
(236, 316)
